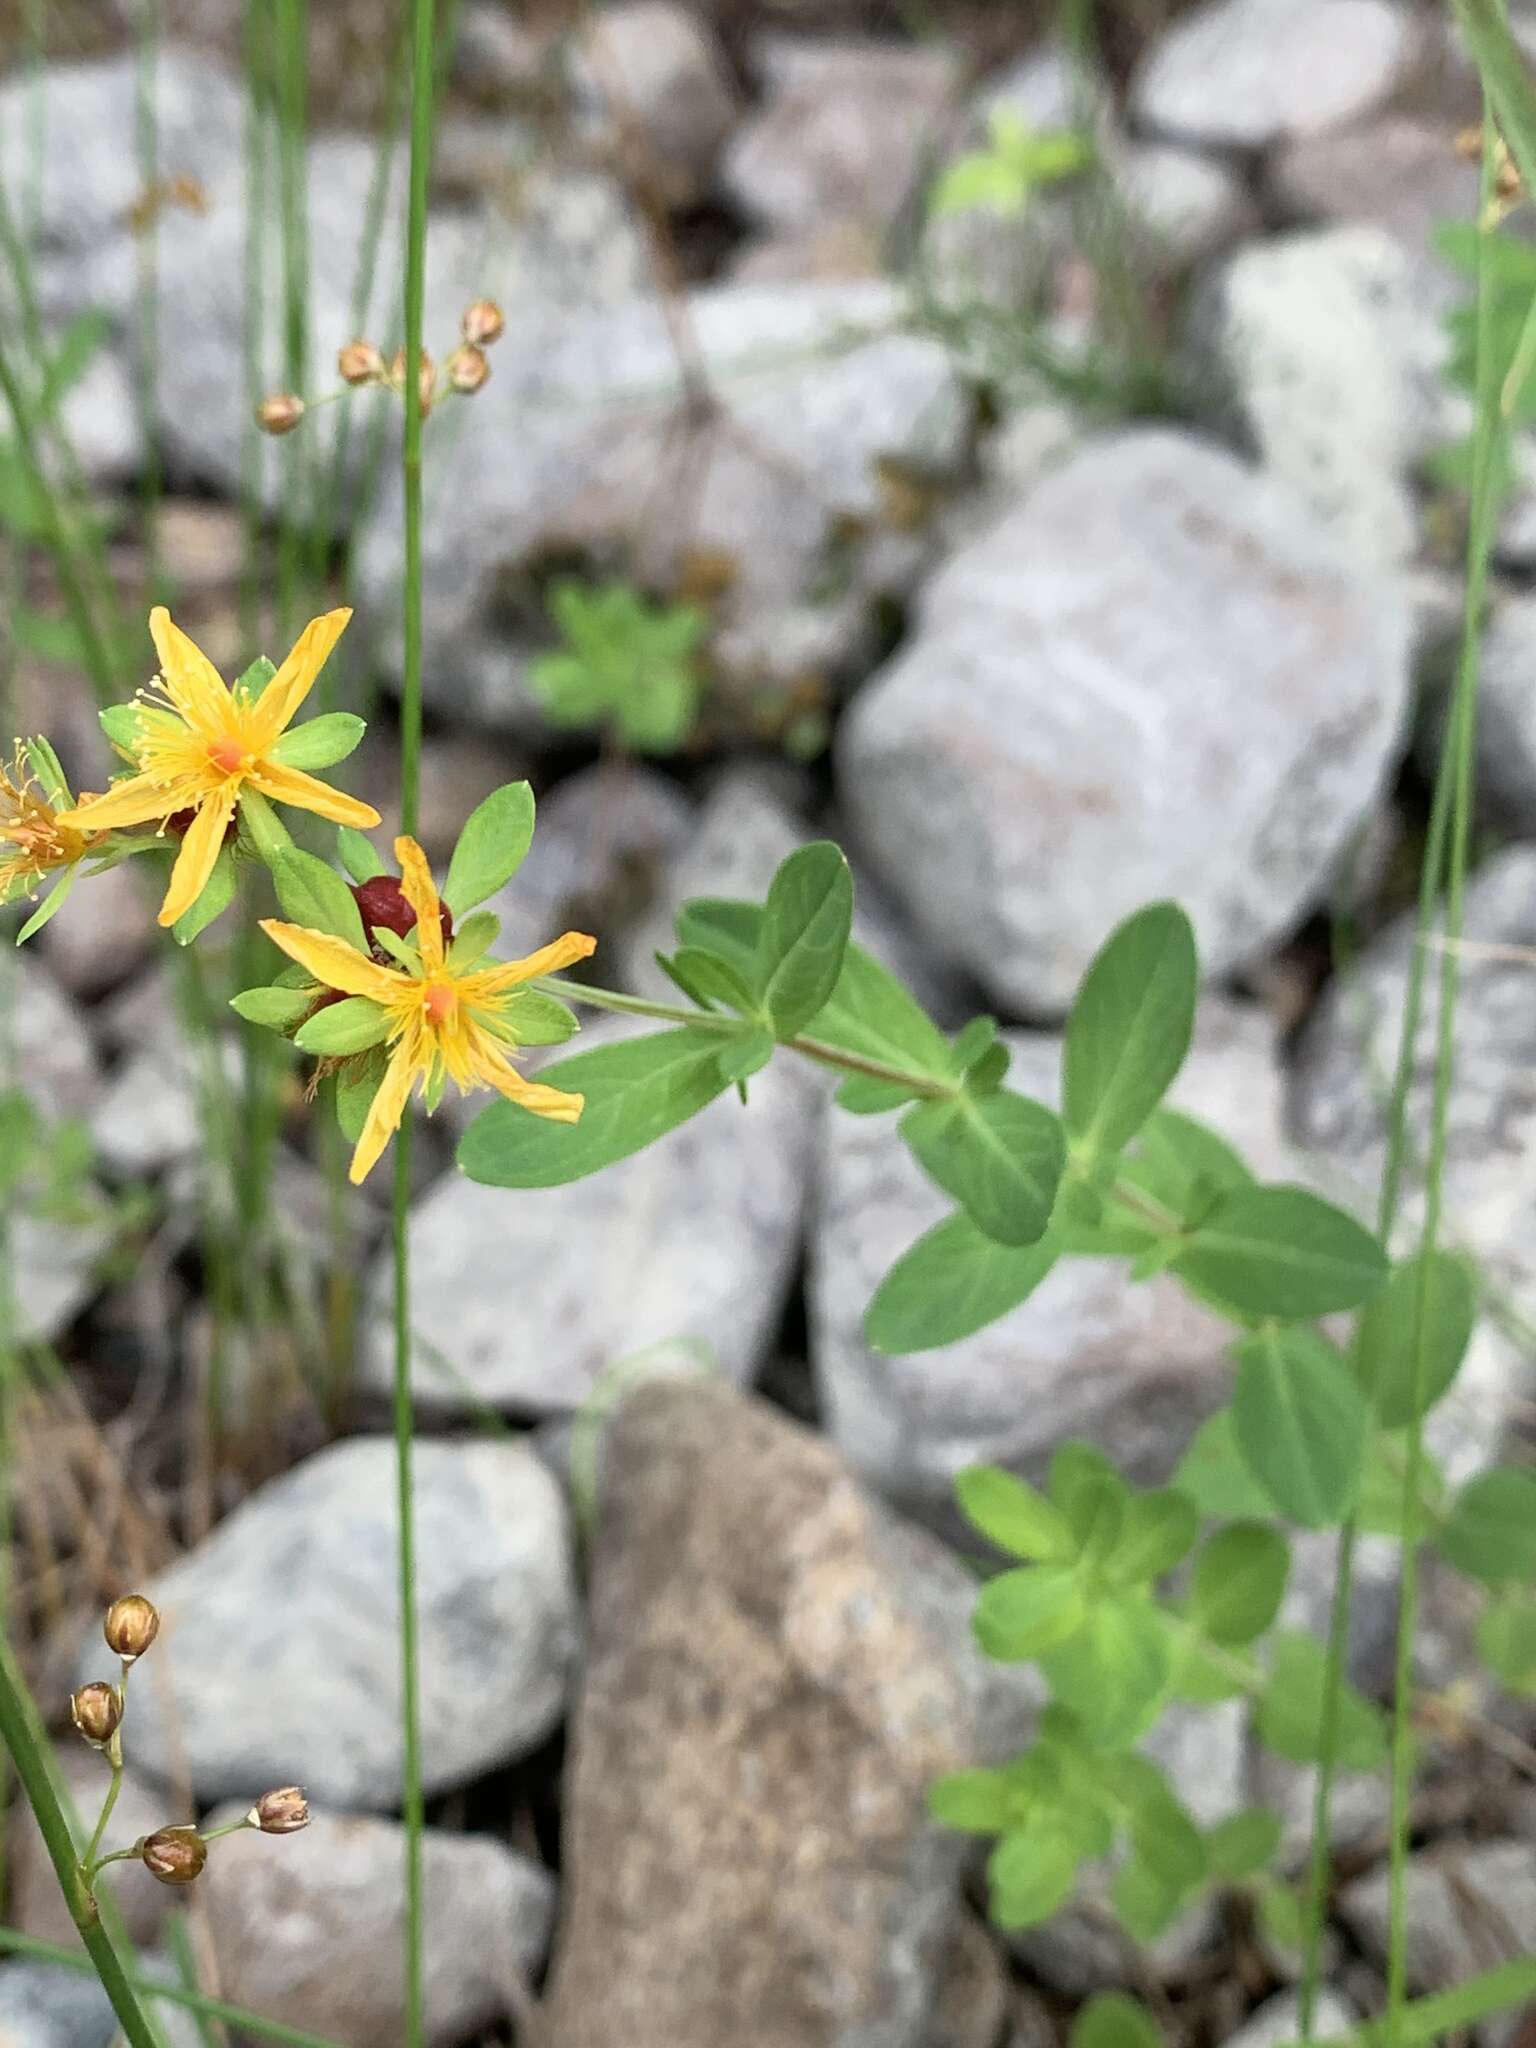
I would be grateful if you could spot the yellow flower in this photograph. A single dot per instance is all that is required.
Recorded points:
(199, 744)
(34, 840)
(442, 1020)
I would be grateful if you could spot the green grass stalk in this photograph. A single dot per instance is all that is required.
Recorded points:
(423, 100)
(147, 380)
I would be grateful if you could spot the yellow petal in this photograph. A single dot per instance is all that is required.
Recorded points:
(420, 891)
(332, 961)
(199, 850)
(553, 1103)
(562, 952)
(387, 1109)
(281, 699)
(192, 682)
(136, 800)
(309, 793)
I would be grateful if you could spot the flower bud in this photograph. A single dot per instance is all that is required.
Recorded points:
(97, 1710)
(131, 1626)
(281, 413)
(483, 323)
(383, 902)
(468, 368)
(174, 1855)
(360, 363)
(282, 1812)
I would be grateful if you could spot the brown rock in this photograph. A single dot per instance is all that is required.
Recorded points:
(777, 1671)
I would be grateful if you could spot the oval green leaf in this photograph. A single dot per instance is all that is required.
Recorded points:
(320, 742)
(1281, 1251)
(951, 1283)
(1129, 1030)
(1013, 1516)
(314, 896)
(1300, 1423)
(1490, 1533)
(491, 848)
(1239, 1582)
(1020, 1613)
(1389, 1356)
(806, 923)
(1291, 1708)
(636, 1091)
(352, 1025)
(1000, 1156)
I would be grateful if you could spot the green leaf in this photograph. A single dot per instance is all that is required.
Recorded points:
(1238, 1582)
(1165, 1838)
(1199, 1673)
(1030, 1876)
(48, 769)
(952, 1282)
(1291, 1707)
(723, 925)
(1490, 1533)
(1000, 1157)
(1212, 1472)
(491, 848)
(356, 1085)
(1379, 1504)
(1180, 1161)
(314, 896)
(51, 905)
(1081, 1480)
(250, 683)
(741, 1058)
(977, 1801)
(263, 832)
(1386, 1343)
(73, 355)
(1300, 1423)
(1113, 1671)
(353, 1025)
(1111, 2020)
(636, 1091)
(357, 855)
(320, 742)
(1146, 1903)
(473, 939)
(870, 1013)
(709, 978)
(529, 1017)
(1506, 1641)
(276, 1009)
(120, 723)
(1129, 1029)
(1013, 1516)
(219, 892)
(806, 922)
(1020, 1613)
(1282, 1251)
(1240, 1846)
(1159, 1530)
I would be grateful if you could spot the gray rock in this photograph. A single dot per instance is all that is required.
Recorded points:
(104, 932)
(54, 1060)
(817, 395)
(43, 2005)
(1247, 73)
(1401, 173)
(308, 1929)
(1062, 738)
(525, 1300)
(777, 1671)
(1318, 350)
(1180, 206)
(1132, 1368)
(279, 1659)
(1469, 1908)
(971, 1997)
(1489, 1185)
(843, 131)
(495, 58)
(147, 1117)
(36, 1904)
(1277, 2022)
(656, 76)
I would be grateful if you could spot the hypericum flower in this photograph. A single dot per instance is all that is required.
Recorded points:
(35, 840)
(440, 1020)
(198, 744)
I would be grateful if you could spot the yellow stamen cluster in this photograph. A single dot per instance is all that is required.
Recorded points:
(35, 839)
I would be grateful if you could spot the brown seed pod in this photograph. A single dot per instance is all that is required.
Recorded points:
(97, 1711)
(468, 368)
(131, 1625)
(483, 323)
(281, 413)
(360, 363)
(174, 1855)
(282, 1812)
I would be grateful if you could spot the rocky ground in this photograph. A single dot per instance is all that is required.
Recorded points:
(1070, 658)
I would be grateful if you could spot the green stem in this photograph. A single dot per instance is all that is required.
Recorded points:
(146, 121)
(293, 198)
(1460, 743)
(422, 101)
(89, 1859)
(173, 1994)
(1446, 2013)
(717, 1024)
(22, 1736)
(1448, 792)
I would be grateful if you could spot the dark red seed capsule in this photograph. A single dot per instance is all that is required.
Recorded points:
(382, 902)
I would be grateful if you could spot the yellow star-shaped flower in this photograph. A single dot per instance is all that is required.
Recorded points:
(198, 744)
(34, 843)
(440, 1020)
